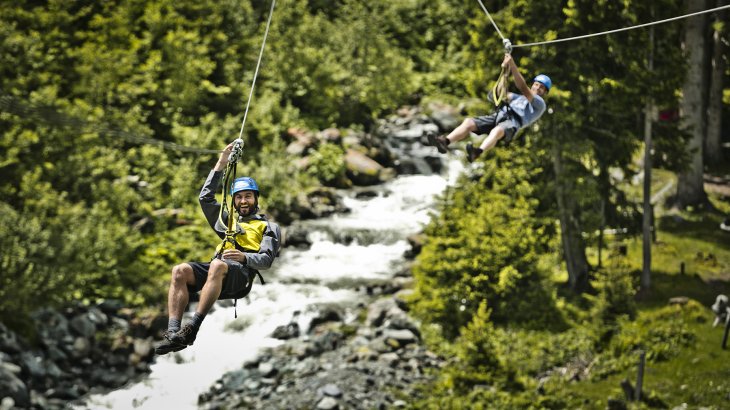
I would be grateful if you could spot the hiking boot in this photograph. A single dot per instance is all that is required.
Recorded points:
(185, 336)
(472, 153)
(167, 345)
(441, 143)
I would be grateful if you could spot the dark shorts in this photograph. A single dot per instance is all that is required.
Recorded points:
(236, 284)
(486, 123)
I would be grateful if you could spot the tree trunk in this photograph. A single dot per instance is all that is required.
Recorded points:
(647, 216)
(570, 227)
(713, 149)
(690, 186)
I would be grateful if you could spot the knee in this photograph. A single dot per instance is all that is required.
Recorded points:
(497, 132)
(469, 124)
(182, 273)
(217, 270)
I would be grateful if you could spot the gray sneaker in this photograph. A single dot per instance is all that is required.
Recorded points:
(441, 143)
(167, 345)
(472, 153)
(185, 336)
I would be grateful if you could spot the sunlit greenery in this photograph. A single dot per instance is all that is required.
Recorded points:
(94, 206)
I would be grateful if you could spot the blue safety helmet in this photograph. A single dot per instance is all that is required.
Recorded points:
(544, 80)
(244, 184)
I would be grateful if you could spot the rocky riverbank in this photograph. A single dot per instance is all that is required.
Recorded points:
(374, 361)
(78, 350)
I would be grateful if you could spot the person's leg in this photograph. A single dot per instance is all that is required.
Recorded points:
(462, 131)
(178, 296)
(494, 136)
(212, 289)
(458, 134)
(208, 295)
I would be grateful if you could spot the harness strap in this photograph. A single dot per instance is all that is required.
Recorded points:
(499, 90)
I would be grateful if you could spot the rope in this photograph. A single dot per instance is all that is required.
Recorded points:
(256, 72)
(490, 19)
(620, 29)
(237, 152)
(51, 116)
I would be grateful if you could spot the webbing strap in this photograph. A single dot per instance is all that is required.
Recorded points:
(499, 90)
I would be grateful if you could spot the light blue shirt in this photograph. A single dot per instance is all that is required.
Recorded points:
(528, 112)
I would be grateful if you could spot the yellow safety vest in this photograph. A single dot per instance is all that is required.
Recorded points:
(248, 236)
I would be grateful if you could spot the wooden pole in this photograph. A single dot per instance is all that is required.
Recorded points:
(640, 376)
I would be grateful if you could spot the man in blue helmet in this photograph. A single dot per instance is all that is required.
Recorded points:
(521, 111)
(231, 273)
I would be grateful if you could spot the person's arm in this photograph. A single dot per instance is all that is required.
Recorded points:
(208, 203)
(519, 80)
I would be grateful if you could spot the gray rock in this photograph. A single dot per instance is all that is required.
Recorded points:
(83, 326)
(409, 133)
(11, 367)
(285, 332)
(53, 371)
(382, 309)
(267, 369)
(51, 325)
(143, 347)
(33, 365)
(402, 336)
(296, 148)
(9, 342)
(331, 390)
(14, 388)
(81, 347)
(99, 318)
(403, 323)
(390, 359)
(110, 306)
(328, 403)
(55, 354)
(327, 314)
(446, 117)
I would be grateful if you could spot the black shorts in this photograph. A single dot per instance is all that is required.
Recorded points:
(486, 123)
(236, 284)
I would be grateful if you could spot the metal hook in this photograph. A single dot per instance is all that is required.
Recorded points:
(507, 46)
(237, 150)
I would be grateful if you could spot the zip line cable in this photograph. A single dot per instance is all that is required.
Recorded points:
(509, 47)
(229, 175)
(258, 63)
(492, 20)
(620, 29)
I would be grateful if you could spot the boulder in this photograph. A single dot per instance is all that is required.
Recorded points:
(382, 309)
(14, 388)
(284, 332)
(445, 116)
(9, 342)
(361, 169)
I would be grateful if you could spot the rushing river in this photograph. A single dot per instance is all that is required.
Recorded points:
(362, 246)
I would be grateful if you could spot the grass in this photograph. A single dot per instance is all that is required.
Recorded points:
(698, 377)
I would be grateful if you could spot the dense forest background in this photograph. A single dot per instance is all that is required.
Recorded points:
(97, 99)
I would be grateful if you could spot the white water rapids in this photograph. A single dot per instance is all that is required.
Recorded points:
(326, 273)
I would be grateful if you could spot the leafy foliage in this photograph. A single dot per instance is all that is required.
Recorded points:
(485, 245)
